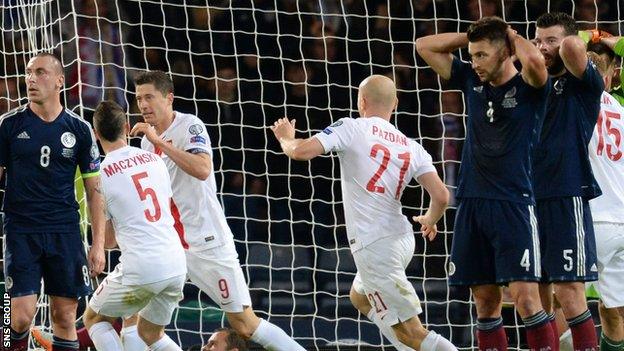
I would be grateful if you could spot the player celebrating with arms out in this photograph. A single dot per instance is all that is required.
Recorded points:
(212, 262)
(496, 240)
(41, 144)
(151, 273)
(377, 161)
(563, 178)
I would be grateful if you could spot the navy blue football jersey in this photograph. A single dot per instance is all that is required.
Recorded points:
(561, 161)
(40, 160)
(502, 128)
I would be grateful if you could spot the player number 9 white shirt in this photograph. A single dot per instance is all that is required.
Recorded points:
(377, 161)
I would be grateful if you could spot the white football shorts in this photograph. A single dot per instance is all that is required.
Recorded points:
(155, 302)
(381, 278)
(217, 272)
(610, 252)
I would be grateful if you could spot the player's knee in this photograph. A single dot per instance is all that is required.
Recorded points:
(527, 305)
(149, 335)
(410, 334)
(609, 316)
(570, 294)
(21, 321)
(63, 318)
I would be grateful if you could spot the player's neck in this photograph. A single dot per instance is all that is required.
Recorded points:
(166, 122)
(381, 114)
(112, 146)
(508, 72)
(47, 111)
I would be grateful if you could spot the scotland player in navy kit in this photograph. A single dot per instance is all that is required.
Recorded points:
(496, 240)
(563, 179)
(41, 144)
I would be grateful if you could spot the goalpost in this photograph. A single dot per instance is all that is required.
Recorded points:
(240, 65)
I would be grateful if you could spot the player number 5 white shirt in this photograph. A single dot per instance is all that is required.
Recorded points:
(137, 191)
(377, 161)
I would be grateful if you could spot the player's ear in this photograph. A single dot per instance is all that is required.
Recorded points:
(170, 98)
(127, 129)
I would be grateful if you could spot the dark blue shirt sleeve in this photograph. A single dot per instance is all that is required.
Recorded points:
(593, 80)
(4, 143)
(460, 71)
(89, 154)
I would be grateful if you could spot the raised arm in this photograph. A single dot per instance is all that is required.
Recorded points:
(439, 201)
(297, 149)
(573, 52)
(534, 70)
(436, 50)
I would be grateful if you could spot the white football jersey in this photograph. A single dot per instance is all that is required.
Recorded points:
(201, 221)
(377, 161)
(137, 191)
(607, 161)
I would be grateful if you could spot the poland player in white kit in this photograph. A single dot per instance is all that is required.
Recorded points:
(377, 161)
(152, 270)
(184, 145)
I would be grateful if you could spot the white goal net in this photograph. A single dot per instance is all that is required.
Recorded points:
(240, 65)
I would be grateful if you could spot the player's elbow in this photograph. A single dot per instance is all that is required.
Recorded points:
(203, 172)
(572, 46)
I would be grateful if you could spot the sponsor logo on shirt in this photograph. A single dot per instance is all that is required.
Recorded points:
(327, 131)
(68, 139)
(559, 85)
(67, 153)
(196, 129)
(23, 135)
(209, 238)
(336, 124)
(94, 152)
(198, 139)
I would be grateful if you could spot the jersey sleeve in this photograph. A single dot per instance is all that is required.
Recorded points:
(89, 154)
(338, 135)
(460, 72)
(422, 161)
(593, 80)
(4, 143)
(196, 139)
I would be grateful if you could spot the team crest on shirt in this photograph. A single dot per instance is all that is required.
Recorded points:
(478, 89)
(8, 283)
(559, 85)
(196, 129)
(68, 139)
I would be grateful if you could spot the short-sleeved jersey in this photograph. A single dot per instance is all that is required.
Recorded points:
(203, 223)
(606, 155)
(502, 129)
(377, 161)
(561, 161)
(40, 159)
(137, 191)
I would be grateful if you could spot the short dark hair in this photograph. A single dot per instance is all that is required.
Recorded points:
(159, 79)
(601, 63)
(490, 28)
(59, 66)
(109, 120)
(570, 27)
(234, 339)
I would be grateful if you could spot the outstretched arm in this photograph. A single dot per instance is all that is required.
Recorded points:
(297, 149)
(439, 201)
(573, 52)
(95, 201)
(436, 50)
(534, 70)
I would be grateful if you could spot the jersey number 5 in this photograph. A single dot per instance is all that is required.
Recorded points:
(614, 135)
(372, 183)
(144, 193)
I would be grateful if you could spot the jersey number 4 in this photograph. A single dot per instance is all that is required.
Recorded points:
(144, 193)
(372, 183)
(614, 136)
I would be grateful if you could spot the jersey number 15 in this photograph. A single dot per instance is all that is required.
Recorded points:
(614, 136)
(372, 183)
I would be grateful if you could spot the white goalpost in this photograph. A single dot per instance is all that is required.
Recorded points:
(239, 66)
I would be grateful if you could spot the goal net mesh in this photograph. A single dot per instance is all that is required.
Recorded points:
(240, 65)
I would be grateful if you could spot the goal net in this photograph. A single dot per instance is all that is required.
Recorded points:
(240, 65)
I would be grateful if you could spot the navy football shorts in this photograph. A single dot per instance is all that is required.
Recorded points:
(495, 242)
(568, 242)
(57, 258)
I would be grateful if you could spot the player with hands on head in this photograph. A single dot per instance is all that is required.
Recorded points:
(40, 142)
(563, 179)
(377, 162)
(151, 272)
(496, 240)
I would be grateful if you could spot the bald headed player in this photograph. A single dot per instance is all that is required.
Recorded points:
(41, 144)
(377, 161)
(496, 240)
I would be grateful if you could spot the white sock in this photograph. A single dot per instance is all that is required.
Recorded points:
(387, 331)
(436, 342)
(565, 341)
(273, 338)
(105, 337)
(131, 340)
(165, 344)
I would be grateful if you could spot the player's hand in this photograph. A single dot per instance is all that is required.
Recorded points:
(147, 130)
(283, 128)
(427, 226)
(96, 260)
